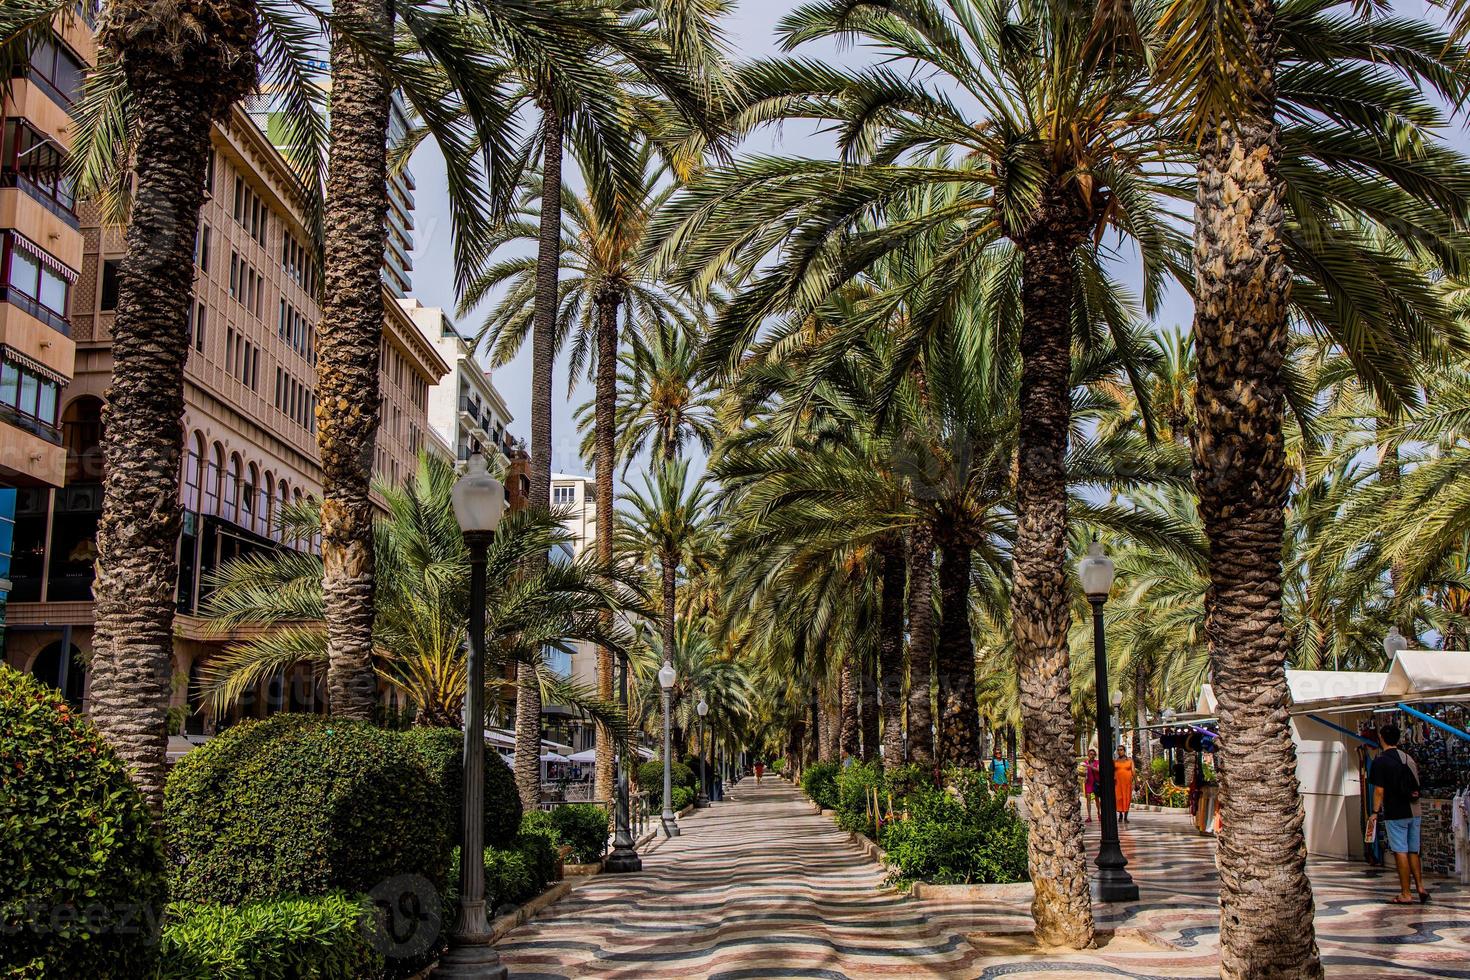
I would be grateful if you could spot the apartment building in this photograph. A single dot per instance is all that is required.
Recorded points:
(249, 421)
(41, 248)
(466, 410)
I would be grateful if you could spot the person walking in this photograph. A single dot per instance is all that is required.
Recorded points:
(1090, 773)
(760, 768)
(1395, 778)
(1122, 784)
(999, 773)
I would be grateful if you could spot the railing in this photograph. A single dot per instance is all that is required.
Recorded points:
(52, 319)
(34, 191)
(30, 424)
(46, 85)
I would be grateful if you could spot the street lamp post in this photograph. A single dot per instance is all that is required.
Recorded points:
(479, 503)
(701, 799)
(666, 677)
(1113, 883)
(624, 857)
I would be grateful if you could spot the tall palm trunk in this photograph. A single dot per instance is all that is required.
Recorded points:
(1040, 607)
(851, 729)
(543, 357)
(1140, 717)
(959, 715)
(182, 82)
(921, 646)
(868, 712)
(890, 652)
(829, 727)
(1240, 327)
(605, 406)
(348, 340)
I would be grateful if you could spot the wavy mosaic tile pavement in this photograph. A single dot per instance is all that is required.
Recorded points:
(760, 887)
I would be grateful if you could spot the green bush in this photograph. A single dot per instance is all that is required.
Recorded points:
(651, 780)
(683, 797)
(322, 937)
(539, 822)
(959, 836)
(301, 806)
(819, 782)
(508, 877)
(443, 750)
(853, 786)
(81, 870)
(541, 858)
(583, 827)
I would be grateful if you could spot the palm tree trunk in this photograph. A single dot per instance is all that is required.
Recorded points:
(829, 726)
(178, 93)
(1040, 600)
(543, 357)
(1240, 326)
(348, 339)
(921, 646)
(890, 652)
(851, 730)
(605, 410)
(959, 715)
(868, 712)
(1140, 717)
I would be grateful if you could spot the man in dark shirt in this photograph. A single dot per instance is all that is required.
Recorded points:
(1395, 779)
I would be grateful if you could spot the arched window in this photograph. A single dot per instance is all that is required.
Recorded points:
(230, 506)
(284, 498)
(249, 504)
(212, 473)
(70, 676)
(268, 504)
(193, 472)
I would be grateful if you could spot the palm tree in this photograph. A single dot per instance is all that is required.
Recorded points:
(421, 603)
(1254, 219)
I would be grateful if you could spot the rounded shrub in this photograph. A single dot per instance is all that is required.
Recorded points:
(582, 827)
(819, 782)
(651, 778)
(82, 884)
(443, 751)
(301, 805)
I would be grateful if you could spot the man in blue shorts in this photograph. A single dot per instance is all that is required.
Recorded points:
(1395, 778)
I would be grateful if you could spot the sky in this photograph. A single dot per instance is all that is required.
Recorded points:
(750, 29)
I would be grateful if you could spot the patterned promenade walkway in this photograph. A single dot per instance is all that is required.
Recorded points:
(761, 887)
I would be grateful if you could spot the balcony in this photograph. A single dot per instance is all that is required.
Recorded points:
(21, 301)
(41, 195)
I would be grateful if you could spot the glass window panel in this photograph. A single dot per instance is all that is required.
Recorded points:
(9, 384)
(46, 403)
(29, 384)
(25, 272)
(53, 291)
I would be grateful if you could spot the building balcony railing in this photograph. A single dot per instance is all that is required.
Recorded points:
(52, 319)
(30, 424)
(37, 193)
(45, 85)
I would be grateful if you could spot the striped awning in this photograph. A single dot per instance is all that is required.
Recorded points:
(44, 257)
(32, 365)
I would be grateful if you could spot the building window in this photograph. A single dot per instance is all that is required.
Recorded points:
(36, 281)
(36, 164)
(199, 328)
(201, 248)
(57, 71)
(28, 399)
(562, 496)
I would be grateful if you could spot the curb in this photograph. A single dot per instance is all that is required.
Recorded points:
(528, 911)
(1013, 891)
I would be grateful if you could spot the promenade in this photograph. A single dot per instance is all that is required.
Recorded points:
(760, 886)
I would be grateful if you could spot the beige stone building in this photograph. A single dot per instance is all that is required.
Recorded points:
(249, 421)
(41, 249)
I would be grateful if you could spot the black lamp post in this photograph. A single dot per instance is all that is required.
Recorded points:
(1113, 883)
(479, 503)
(666, 678)
(701, 799)
(624, 857)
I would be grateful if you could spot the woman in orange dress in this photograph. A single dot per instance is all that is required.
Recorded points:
(1122, 783)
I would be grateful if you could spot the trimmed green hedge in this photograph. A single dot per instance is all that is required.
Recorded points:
(326, 937)
(683, 796)
(853, 786)
(819, 782)
(299, 805)
(443, 751)
(961, 835)
(582, 827)
(81, 871)
(651, 779)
